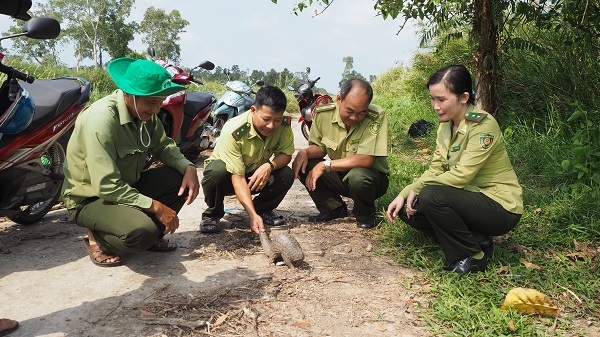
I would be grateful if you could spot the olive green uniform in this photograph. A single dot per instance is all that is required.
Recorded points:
(105, 187)
(470, 190)
(363, 185)
(240, 151)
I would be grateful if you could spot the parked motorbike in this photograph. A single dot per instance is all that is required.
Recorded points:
(36, 119)
(236, 100)
(307, 101)
(186, 115)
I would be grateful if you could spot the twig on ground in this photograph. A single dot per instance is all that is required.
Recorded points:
(179, 322)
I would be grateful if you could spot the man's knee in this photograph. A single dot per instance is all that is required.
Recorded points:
(141, 238)
(286, 176)
(215, 172)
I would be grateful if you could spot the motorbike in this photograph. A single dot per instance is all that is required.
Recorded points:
(186, 115)
(236, 100)
(308, 102)
(36, 120)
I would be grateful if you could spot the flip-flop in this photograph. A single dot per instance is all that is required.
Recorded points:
(7, 331)
(162, 245)
(209, 226)
(98, 256)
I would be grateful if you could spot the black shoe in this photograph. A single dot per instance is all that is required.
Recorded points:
(468, 265)
(366, 222)
(271, 219)
(340, 212)
(487, 247)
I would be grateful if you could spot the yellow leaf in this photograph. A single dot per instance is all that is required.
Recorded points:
(529, 301)
(301, 324)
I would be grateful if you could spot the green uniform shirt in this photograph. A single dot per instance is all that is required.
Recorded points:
(243, 150)
(369, 137)
(474, 159)
(105, 155)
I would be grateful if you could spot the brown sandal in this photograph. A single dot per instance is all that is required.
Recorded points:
(8, 326)
(162, 245)
(98, 256)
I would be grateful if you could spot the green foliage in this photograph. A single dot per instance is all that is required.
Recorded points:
(161, 31)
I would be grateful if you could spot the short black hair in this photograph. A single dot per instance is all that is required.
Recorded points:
(272, 97)
(351, 83)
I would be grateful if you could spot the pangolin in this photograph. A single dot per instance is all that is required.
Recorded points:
(284, 246)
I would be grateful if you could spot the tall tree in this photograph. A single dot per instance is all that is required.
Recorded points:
(161, 31)
(485, 21)
(349, 71)
(88, 24)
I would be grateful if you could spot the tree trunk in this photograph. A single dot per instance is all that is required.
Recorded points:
(485, 36)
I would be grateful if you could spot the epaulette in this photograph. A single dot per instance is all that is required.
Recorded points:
(287, 121)
(475, 116)
(325, 107)
(241, 131)
(373, 112)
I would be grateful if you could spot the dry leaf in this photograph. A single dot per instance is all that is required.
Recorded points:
(529, 264)
(537, 210)
(302, 324)
(220, 320)
(529, 301)
(502, 270)
(511, 325)
(146, 313)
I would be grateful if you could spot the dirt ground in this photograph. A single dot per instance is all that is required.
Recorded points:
(213, 285)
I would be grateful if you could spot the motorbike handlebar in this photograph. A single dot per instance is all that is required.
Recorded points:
(313, 82)
(13, 72)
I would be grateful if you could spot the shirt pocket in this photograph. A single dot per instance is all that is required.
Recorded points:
(131, 156)
(330, 144)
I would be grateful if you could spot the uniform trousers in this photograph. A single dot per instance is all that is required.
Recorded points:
(459, 219)
(362, 185)
(121, 228)
(216, 184)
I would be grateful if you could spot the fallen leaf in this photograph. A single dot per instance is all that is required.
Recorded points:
(511, 325)
(529, 264)
(369, 247)
(220, 320)
(301, 324)
(537, 210)
(502, 270)
(146, 313)
(529, 301)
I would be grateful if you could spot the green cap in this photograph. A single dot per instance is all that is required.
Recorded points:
(142, 77)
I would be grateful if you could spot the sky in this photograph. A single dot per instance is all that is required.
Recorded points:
(257, 34)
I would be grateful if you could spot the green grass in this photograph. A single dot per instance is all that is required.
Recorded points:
(557, 217)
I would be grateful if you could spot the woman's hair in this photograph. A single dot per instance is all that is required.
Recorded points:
(456, 78)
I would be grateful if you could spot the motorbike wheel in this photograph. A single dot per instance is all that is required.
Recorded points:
(218, 125)
(305, 129)
(53, 159)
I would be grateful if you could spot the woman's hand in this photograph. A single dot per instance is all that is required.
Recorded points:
(394, 208)
(409, 202)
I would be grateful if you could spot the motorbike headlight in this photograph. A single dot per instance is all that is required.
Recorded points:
(19, 114)
(307, 114)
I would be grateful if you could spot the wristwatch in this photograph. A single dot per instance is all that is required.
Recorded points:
(327, 164)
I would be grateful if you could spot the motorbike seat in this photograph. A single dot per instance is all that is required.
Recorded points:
(197, 101)
(51, 98)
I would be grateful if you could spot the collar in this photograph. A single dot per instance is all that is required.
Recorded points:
(124, 115)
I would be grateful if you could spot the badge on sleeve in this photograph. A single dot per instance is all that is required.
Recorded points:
(374, 127)
(486, 140)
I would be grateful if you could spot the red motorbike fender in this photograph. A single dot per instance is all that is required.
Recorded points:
(176, 113)
(199, 120)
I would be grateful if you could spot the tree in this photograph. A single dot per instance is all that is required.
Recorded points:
(161, 31)
(486, 20)
(349, 71)
(91, 25)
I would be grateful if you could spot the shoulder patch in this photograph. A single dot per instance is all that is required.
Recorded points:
(475, 116)
(241, 131)
(373, 111)
(287, 121)
(325, 107)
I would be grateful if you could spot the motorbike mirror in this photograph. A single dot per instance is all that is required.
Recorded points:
(307, 70)
(226, 71)
(206, 65)
(260, 83)
(151, 51)
(41, 28)
(290, 88)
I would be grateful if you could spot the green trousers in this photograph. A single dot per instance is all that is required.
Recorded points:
(459, 219)
(216, 184)
(121, 228)
(363, 185)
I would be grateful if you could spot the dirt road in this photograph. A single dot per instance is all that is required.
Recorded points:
(213, 285)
